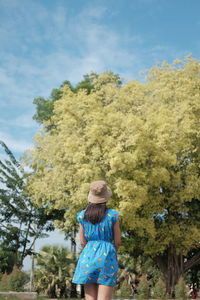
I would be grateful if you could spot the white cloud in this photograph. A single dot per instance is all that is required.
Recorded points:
(78, 45)
(23, 121)
(58, 46)
(40, 48)
(15, 144)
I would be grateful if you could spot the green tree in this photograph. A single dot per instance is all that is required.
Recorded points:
(54, 276)
(133, 270)
(7, 260)
(15, 281)
(143, 139)
(19, 215)
(45, 107)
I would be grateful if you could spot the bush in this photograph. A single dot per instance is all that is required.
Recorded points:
(125, 290)
(181, 291)
(4, 283)
(17, 279)
(14, 281)
(159, 290)
(143, 290)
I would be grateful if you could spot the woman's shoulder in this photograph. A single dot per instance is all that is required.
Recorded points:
(81, 212)
(113, 215)
(80, 215)
(113, 212)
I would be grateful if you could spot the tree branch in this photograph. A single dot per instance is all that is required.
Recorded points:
(192, 261)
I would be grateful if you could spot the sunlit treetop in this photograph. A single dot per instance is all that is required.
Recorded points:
(143, 139)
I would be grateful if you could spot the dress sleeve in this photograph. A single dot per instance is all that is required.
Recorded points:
(79, 217)
(115, 216)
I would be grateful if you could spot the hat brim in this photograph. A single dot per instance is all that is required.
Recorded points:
(100, 199)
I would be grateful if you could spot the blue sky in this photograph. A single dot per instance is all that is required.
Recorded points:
(44, 42)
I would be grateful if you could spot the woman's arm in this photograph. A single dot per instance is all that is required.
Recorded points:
(117, 234)
(83, 240)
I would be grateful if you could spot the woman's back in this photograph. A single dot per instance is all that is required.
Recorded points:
(98, 261)
(99, 232)
(102, 231)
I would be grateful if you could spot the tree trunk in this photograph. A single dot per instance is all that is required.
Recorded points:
(174, 272)
(73, 240)
(171, 265)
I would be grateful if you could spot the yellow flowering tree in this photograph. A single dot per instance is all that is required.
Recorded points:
(143, 139)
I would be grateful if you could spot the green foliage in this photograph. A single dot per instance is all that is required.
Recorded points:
(38, 298)
(159, 290)
(181, 291)
(7, 259)
(143, 139)
(125, 290)
(17, 279)
(18, 214)
(54, 276)
(86, 84)
(149, 157)
(45, 107)
(143, 290)
(14, 281)
(132, 270)
(4, 283)
(192, 276)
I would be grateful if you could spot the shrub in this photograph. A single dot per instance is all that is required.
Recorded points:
(125, 290)
(14, 281)
(143, 290)
(159, 291)
(17, 279)
(181, 291)
(4, 283)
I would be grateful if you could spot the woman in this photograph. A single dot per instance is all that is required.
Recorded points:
(100, 237)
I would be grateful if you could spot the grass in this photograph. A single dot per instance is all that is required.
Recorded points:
(46, 298)
(39, 298)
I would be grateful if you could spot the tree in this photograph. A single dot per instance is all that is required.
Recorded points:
(134, 270)
(19, 215)
(7, 259)
(193, 275)
(143, 139)
(45, 107)
(54, 276)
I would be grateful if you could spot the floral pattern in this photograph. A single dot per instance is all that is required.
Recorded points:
(98, 261)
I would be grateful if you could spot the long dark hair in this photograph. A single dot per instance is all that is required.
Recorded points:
(95, 212)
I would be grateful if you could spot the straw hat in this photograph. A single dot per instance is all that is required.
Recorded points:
(99, 192)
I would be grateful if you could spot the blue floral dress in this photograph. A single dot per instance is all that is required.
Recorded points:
(98, 261)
